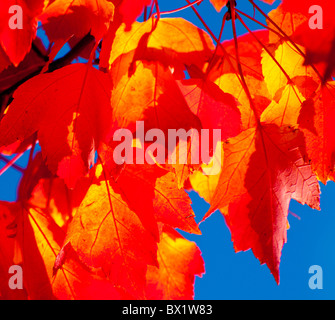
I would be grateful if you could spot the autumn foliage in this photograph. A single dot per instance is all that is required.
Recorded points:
(85, 227)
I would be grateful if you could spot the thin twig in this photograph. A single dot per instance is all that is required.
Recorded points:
(179, 9)
(266, 49)
(244, 83)
(258, 22)
(212, 61)
(57, 64)
(13, 165)
(10, 163)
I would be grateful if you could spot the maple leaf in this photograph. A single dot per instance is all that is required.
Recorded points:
(16, 42)
(224, 73)
(152, 95)
(52, 196)
(52, 271)
(287, 22)
(41, 240)
(156, 99)
(86, 227)
(250, 56)
(166, 201)
(286, 109)
(107, 234)
(316, 122)
(270, 162)
(215, 108)
(229, 83)
(62, 19)
(283, 66)
(71, 122)
(80, 284)
(174, 42)
(179, 262)
(153, 194)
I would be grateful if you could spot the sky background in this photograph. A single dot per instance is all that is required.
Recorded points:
(311, 238)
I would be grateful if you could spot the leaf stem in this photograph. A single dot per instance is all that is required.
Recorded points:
(258, 22)
(212, 61)
(239, 66)
(238, 74)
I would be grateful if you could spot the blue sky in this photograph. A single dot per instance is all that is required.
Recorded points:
(311, 240)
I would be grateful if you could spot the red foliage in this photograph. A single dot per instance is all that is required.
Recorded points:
(87, 227)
